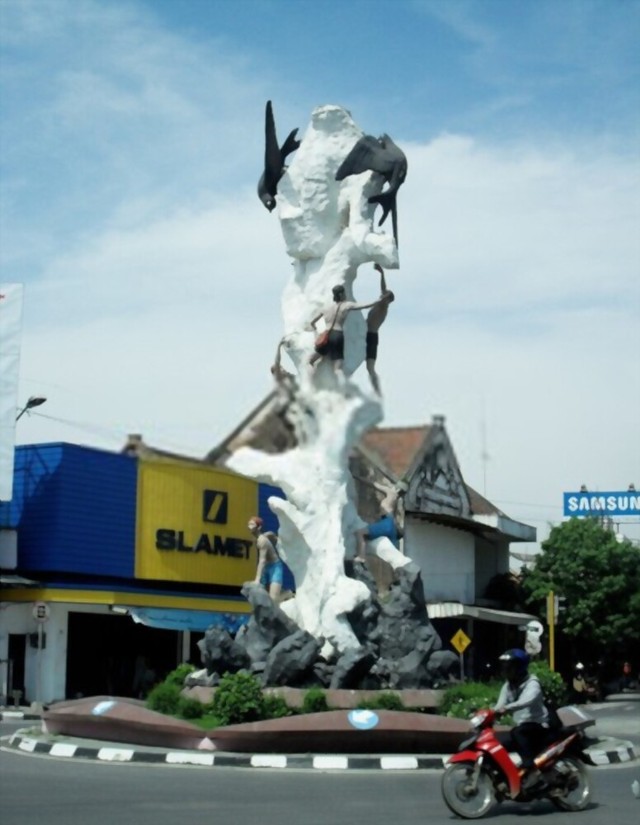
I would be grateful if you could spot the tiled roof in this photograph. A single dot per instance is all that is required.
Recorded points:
(481, 506)
(396, 446)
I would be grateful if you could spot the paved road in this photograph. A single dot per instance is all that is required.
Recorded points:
(620, 719)
(35, 790)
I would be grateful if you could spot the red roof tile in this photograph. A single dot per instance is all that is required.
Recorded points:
(480, 505)
(396, 446)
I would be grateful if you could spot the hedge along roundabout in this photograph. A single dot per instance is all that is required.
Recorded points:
(240, 698)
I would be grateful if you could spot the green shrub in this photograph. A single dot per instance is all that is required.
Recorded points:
(460, 701)
(190, 708)
(238, 698)
(383, 701)
(275, 707)
(177, 676)
(553, 686)
(164, 698)
(315, 701)
(389, 701)
(208, 721)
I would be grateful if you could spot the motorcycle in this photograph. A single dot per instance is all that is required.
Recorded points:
(483, 772)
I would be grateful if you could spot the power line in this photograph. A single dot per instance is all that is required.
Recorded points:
(528, 504)
(105, 432)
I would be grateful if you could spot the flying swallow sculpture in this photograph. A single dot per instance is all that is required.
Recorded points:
(274, 158)
(381, 155)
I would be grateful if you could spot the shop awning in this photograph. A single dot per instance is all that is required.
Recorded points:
(8, 580)
(453, 610)
(175, 619)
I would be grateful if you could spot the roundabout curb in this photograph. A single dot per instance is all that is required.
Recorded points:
(605, 752)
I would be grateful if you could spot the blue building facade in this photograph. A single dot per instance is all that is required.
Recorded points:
(79, 516)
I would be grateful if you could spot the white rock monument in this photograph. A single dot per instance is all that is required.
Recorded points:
(329, 233)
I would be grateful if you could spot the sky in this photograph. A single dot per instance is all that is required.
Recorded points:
(130, 148)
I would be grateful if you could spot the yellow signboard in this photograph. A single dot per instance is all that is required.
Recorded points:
(461, 641)
(192, 524)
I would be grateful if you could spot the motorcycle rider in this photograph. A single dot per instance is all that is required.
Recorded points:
(522, 697)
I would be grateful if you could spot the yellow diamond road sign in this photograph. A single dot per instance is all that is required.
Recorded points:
(461, 641)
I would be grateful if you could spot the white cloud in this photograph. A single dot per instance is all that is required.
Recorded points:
(104, 110)
(518, 225)
(188, 256)
(460, 18)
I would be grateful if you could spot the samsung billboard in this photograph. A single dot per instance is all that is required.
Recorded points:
(585, 503)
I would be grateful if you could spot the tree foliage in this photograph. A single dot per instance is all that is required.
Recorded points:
(599, 578)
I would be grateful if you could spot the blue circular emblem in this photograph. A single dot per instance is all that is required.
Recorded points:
(363, 719)
(103, 707)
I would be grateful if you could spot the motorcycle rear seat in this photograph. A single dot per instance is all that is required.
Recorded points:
(574, 718)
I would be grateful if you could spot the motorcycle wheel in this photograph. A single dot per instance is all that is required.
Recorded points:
(576, 787)
(460, 797)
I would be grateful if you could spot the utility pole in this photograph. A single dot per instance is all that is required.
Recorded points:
(551, 623)
(484, 455)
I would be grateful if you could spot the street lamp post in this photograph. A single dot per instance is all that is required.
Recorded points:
(34, 401)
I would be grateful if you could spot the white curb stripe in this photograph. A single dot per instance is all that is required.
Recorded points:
(62, 749)
(115, 755)
(624, 754)
(612, 757)
(330, 763)
(398, 763)
(190, 759)
(268, 761)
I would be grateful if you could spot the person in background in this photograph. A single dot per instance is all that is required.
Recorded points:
(583, 691)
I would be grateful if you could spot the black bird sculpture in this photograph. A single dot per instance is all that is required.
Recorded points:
(274, 158)
(381, 155)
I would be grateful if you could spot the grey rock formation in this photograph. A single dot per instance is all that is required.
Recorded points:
(291, 661)
(364, 619)
(404, 624)
(220, 653)
(267, 627)
(352, 668)
(443, 666)
(399, 647)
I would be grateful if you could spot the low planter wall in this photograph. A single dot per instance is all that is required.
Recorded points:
(338, 699)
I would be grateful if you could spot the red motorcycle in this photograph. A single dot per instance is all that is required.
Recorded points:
(483, 771)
